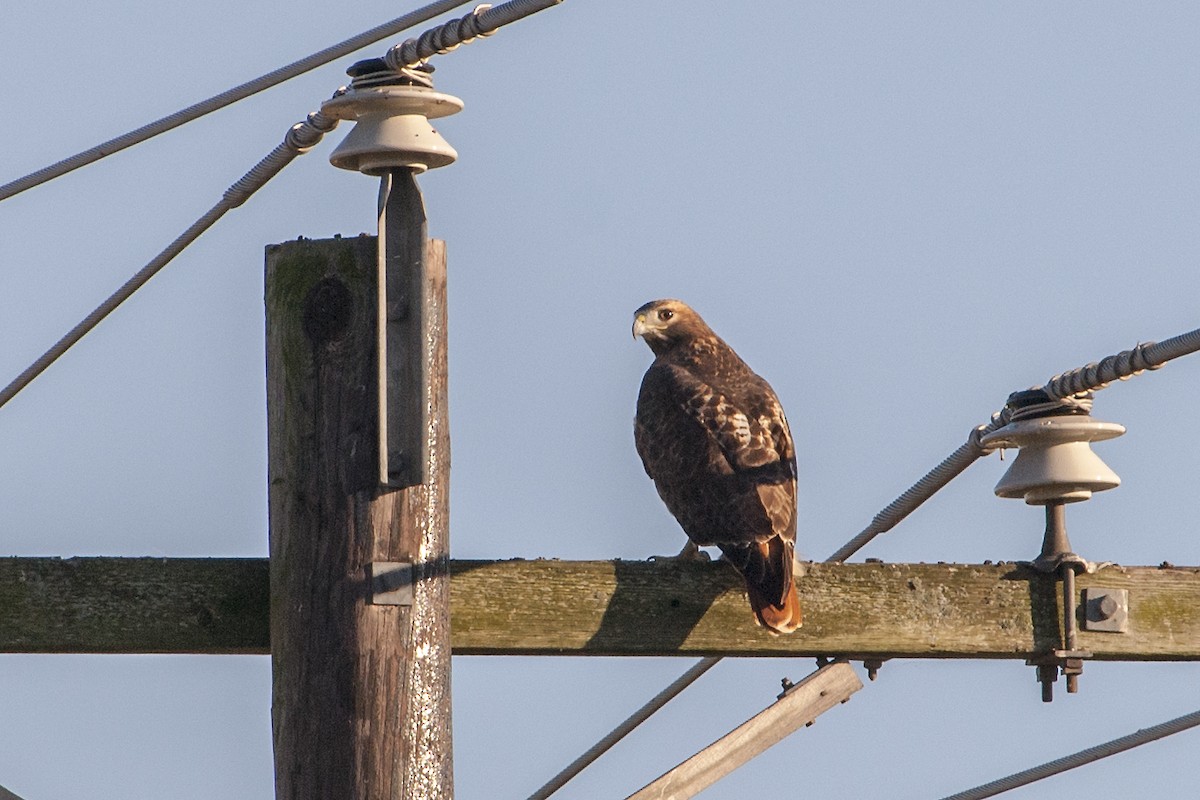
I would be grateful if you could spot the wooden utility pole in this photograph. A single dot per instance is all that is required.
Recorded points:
(359, 572)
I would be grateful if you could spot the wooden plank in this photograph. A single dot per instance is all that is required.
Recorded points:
(829, 686)
(134, 605)
(861, 610)
(185, 605)
(361, 690)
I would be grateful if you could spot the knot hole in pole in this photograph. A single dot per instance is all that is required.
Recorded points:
(327, 311)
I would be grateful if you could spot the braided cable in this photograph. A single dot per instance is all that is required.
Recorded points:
(1075, 396)
(1069, 389)
(482, 21)
(228, 97)
(1110, 748)
(1174, 347)
(1123, 365)
(1098, 375)
(950, 467)
(436, 41)
(299, 139)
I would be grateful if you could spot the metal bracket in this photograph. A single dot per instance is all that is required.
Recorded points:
(1106, 610)
(403, 331)
(391, 583)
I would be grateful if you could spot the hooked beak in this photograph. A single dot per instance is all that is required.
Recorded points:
(639, 326)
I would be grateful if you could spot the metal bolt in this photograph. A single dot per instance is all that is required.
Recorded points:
(1047, 675)
(1072, 668)
(1106, 609)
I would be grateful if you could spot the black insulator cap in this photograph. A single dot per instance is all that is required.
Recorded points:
(1026, 398)
(372, 65)
(1036, 397)
(366, 67)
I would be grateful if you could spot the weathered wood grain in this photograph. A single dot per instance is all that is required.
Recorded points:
(801, 705)
(361, 691)
(134, 605)
(189, 605)
(863, 610)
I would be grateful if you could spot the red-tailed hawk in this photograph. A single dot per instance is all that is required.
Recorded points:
(714, 439)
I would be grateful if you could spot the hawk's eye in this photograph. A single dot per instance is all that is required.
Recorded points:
(665, 314)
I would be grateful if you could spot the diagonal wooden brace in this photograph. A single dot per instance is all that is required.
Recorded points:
(800, 705)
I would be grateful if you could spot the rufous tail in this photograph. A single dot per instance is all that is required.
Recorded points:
(778, 619)
(767, 568)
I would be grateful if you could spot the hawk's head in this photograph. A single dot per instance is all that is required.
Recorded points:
(665, 323)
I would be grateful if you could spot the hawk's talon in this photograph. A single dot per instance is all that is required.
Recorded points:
(690, 552)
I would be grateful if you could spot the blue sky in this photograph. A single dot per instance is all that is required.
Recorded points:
(897, 213)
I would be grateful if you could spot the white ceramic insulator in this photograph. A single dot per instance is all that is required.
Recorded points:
(1055, 462)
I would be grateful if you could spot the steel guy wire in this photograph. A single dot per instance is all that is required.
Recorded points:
(1091, 377)
(299, 139)
(616, 734)
(637, 718)
(228, 97)
(1051, 768)
(302, 137)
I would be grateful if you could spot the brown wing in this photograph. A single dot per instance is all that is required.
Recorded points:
(678, 454)
(725, 465)
(723, 462)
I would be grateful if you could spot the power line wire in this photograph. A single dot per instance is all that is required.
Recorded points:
(637, 718)
(1087, 378)
(483, 21)
(228, 97)
(616, 734)
(1074, 760)
(300, 139)
(1091, 377)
